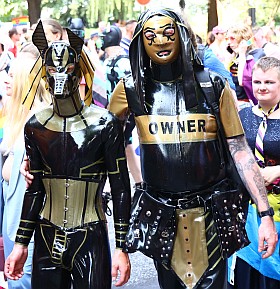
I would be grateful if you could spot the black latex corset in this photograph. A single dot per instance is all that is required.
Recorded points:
(178, 166)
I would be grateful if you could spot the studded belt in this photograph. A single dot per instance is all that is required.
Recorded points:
(185, 200)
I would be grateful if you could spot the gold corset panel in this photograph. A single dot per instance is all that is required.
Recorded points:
(71, 203)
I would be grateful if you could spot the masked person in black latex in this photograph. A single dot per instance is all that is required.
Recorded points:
(181, 161)
(72, 148)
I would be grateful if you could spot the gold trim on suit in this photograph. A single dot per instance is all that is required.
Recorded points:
(59, 244)
(74, 123)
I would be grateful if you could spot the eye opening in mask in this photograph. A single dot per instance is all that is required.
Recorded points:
(149, 34)
(169, 31)
(51, 70)
(70, 68)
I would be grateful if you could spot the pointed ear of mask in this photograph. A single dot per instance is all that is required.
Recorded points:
(75, 42)
(39, 38)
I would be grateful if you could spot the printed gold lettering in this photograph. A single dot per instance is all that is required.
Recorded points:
(153, 128)
(191, 125)
(201, 124)
(167, 126)
(181, 127)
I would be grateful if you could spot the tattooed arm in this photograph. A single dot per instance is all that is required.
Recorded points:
(253, 180)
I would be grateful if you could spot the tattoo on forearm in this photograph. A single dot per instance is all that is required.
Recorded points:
(247, 168)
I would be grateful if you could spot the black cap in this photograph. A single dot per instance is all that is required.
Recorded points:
(111, 37)
(76, 25)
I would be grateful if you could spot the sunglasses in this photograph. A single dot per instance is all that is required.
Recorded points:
(231, 38)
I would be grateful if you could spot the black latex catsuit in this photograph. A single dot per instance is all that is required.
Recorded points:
(72, 148)
(179, 156)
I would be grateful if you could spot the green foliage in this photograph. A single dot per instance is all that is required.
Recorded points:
(12, 8)
(110, 11)
(266, 11)
(93, 11)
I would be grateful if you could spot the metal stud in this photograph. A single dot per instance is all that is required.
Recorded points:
(148, 213)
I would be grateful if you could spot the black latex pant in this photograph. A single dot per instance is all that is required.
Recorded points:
(86, 266)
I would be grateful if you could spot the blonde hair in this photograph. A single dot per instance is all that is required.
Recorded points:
(242, 32)
(16, 114)
(266, 63)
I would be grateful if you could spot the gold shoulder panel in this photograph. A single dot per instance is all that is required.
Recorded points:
(118, 103)
(229, 114)
(54, 122)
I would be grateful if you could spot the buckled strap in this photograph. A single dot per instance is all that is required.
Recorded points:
(184, 204)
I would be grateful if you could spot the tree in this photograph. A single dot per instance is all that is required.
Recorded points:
(212, 15)
(111, 10)
(34, 10)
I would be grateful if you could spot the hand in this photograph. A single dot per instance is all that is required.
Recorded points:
(242, 47)
(91, 45)
(121, 263)
(15, 262)
(268, 237)
(24, 170)
(270, 174)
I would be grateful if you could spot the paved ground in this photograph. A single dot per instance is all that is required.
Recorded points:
(143, 273)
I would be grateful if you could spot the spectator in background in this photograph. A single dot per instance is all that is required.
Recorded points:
(211, 61)
(128, 34)
(102, 25)
(95, 41)
(93, 48)
(247, 269)
(240, 64)
(53, 30)
(24, 36)
(77, 26)
(15, 37)
(5, 60)
(219, 46)
(117, 66)
(13, 152)
(262, 40)
(210, 38)
(30, 32)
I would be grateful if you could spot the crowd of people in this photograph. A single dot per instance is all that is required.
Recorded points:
(69, 106)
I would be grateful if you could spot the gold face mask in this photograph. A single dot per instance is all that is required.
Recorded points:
(161, 39)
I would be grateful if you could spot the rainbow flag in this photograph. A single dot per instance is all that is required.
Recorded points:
(22, 20)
